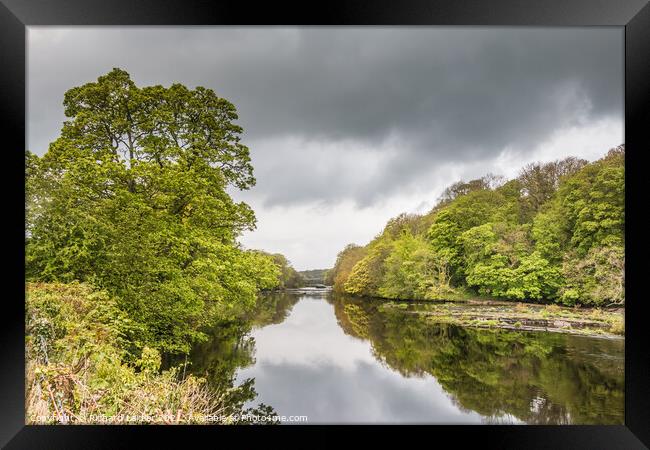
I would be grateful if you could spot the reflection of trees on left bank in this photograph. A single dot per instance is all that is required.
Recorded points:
(230, 347)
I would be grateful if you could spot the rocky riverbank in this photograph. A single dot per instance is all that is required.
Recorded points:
(519, 316)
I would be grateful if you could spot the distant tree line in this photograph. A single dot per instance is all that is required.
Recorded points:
(314, 276)
(555, 233)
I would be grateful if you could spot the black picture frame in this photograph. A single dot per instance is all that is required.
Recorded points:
(633, 15)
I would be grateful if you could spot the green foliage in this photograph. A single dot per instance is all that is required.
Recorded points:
(555, 233)
(468, 211)
(595, 279)
(498, 269)
(288, 277)
(133, 198)
(361, 280)
(345, 261)
(314, 276)
(367, 274)
(594, 203)
(83, 368)
(538, 183)
(550, 232)
(413, 270)
(534, 278)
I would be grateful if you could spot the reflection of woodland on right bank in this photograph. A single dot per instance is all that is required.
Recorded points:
(539, 378)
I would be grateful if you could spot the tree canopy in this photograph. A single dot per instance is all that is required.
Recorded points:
(555, 233)
(288, 277)
(132, 197)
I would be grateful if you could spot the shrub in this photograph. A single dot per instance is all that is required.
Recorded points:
(82, 369)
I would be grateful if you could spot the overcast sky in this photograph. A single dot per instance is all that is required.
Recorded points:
(348, 127)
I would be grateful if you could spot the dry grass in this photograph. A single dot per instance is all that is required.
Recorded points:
(77, 372)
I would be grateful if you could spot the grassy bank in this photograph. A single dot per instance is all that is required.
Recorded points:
(520, 316)
(82, 367)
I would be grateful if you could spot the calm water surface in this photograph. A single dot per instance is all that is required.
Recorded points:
(337, 359)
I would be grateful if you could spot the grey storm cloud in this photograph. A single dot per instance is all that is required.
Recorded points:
(336, 113)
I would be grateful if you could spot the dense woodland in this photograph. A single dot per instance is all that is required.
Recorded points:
(556, 233)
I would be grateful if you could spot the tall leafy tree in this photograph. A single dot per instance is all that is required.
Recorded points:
(133, 197)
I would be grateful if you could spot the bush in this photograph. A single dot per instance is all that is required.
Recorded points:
(83, 368)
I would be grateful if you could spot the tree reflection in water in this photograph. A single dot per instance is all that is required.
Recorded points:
(534, 377)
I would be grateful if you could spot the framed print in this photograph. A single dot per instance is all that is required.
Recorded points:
(426, 215)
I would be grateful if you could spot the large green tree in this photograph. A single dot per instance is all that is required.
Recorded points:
(133, 197)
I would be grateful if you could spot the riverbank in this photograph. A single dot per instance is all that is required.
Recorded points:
(83, 366)
(519, 316)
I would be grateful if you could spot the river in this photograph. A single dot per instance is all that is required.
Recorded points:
(336, 359)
